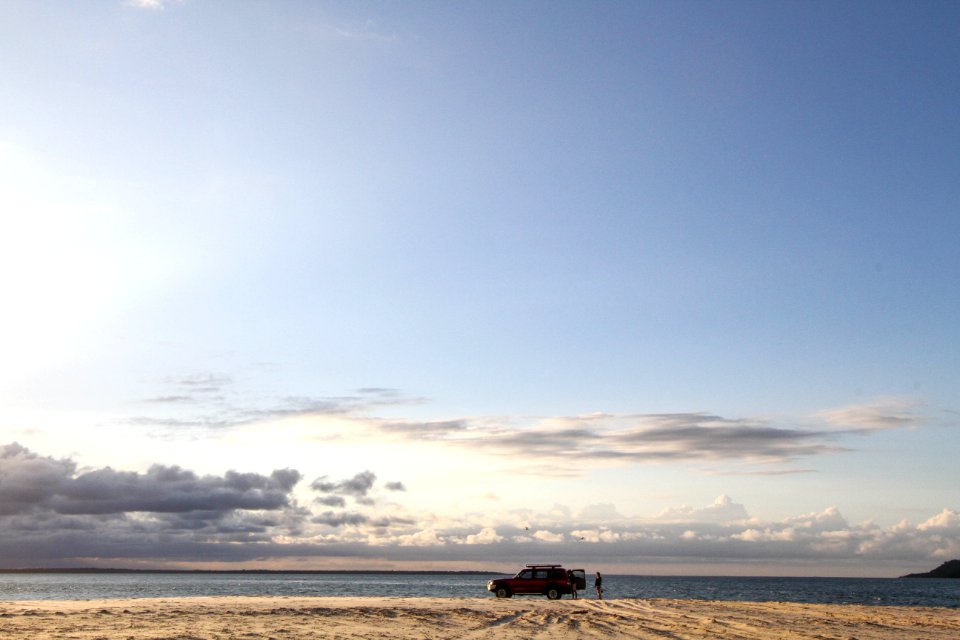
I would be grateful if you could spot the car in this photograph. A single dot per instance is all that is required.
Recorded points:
(550, 580)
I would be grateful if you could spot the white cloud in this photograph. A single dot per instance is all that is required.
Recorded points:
(883, 413)
(153, 5)
(947, 521)
(766, 535)
(548, 536)
(829, 519)
(425, 538)
(723, 509)
(485, 536)
(596, 535)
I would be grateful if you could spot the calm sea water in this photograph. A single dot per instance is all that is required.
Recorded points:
(885, 591)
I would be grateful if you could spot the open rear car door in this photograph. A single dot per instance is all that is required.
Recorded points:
(580, 577)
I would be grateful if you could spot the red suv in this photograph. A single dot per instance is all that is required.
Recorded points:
(551, 580)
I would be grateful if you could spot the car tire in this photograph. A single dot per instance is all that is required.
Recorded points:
(553, 593)
(503, 592)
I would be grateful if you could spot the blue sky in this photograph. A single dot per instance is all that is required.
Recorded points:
(659, 287)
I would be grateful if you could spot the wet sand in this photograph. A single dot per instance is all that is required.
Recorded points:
(298, 618)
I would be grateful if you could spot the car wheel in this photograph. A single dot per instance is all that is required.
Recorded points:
(503, 592)
(553, 593)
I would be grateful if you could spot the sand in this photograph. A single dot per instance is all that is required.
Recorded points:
(298, 618)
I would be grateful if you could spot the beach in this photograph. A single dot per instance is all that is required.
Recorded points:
(348, 618)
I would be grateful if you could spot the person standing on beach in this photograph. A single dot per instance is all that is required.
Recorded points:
(572, 579)
(598, 585)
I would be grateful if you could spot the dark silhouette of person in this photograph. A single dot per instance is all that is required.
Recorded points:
(598, 585)
(573, 584)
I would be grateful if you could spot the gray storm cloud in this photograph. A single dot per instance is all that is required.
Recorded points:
(356, 487)
(29, 482)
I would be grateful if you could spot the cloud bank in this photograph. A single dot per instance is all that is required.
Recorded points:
(54, 515)
(32, 483)
(592, 440)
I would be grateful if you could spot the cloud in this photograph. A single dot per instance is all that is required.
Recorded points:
(559, 445)
(438, 430)
(204, 382)
(487, 535)
(331, 501)
(723, 509)
(209, 393)
(31, 482)
(334, 519)
(357, 486)
(946, 522)
(54, 515)
(548, 536)
(52, 512)
(885, 413)
(153, 5)
(169, 399)
(201, 388)
(623, 439)
(566, 445)
(382, 392)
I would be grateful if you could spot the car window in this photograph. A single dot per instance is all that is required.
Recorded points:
(540, 575)
(526, 574)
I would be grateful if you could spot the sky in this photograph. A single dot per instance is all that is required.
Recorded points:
(642, 287)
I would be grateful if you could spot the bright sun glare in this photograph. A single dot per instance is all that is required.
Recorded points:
(59, 278)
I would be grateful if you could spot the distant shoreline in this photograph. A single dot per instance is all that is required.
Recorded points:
(256, 571)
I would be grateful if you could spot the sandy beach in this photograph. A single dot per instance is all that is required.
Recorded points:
(298, 618)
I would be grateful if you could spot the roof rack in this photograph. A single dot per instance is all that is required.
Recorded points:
(544, 566)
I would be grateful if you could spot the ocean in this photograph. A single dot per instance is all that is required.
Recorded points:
(84, 586)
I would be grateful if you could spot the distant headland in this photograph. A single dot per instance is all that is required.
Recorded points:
(949, 569)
